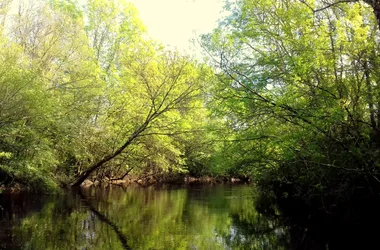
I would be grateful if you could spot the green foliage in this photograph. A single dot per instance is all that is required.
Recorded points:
(298, 94)
(82, 83)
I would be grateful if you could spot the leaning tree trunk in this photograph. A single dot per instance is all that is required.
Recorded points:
(109, 157)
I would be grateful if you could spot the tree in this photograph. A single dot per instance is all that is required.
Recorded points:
(158, 87)
(297, 88)
(54, 98)
(86, 86)
(375, 5)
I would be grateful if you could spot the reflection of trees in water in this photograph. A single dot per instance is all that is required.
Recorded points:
(250, 229)
(245, 235)
(352, 226)
(148, 218)
(63, 222)
(14, 208)
(209, 218)
(122, 238)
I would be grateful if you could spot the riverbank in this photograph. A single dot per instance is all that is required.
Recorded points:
(145, 181)
(152, 180)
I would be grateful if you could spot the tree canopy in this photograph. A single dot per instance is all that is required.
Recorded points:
(288, 97)
(86, 92)
(299, 89)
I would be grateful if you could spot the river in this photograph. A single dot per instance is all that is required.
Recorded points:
(192, 217)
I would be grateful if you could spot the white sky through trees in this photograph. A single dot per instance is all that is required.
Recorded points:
(172, 22)
(175, 22)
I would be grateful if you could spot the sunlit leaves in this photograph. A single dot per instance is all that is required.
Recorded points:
(302, 82)
(77, 82)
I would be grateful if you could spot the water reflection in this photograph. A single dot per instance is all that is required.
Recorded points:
(199, 217)
(218, 217)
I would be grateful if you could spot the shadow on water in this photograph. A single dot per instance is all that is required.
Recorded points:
(353, 225)
(12, 208)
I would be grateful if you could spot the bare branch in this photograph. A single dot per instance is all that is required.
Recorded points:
(328, 5)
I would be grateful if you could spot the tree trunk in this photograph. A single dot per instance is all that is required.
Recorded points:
(369, 96)
(109, 157)
(123, 176)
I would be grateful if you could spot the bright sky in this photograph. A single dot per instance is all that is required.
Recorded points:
(175, 22)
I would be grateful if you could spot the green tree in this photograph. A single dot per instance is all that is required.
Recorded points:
(317, 6)
(151, 94)
(85, 85)
(297, 89)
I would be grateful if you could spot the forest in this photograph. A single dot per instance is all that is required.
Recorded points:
(287, 96)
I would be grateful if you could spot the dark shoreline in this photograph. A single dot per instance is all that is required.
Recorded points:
(17, 187)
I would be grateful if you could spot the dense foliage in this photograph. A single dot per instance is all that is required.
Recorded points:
(289, 98)
(299, 90)
(86, 93)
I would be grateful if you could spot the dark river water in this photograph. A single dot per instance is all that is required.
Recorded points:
(197, 217)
